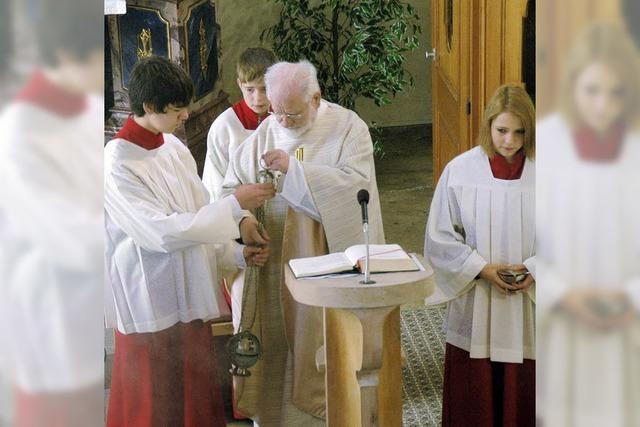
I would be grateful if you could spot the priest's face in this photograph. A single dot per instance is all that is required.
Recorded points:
(254, 94)
(168, 121)
(599, 96)
(507, 134)
(295, 114)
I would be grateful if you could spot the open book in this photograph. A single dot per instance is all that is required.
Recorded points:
(382, 259)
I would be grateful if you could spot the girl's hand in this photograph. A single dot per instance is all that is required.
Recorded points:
(490, 274)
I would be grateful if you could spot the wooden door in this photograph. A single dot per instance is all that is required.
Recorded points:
(479, 47)
(451, 33)
(560, 24)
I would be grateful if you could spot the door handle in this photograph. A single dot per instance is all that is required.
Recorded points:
(431, 55)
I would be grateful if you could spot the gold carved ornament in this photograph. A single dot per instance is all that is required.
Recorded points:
(145, 49)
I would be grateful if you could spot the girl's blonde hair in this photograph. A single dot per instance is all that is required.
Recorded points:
(609, 45)
(513, 99)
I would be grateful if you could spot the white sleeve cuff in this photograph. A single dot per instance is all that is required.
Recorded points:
(294, 184)
(236, 210)
(238, 250)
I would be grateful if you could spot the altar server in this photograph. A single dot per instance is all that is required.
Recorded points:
(481, 221)
(166, 247)
(239, 121)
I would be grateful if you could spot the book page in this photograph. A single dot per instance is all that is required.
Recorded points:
(359, 252)
(325, 264)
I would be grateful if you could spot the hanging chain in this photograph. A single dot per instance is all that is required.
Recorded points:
(244, 348)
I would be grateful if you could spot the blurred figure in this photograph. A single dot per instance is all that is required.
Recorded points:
(6, 38)
(51, 245)
(589, 238)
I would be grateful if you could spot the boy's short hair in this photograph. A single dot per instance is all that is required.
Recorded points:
(253, 63)
(158, 82)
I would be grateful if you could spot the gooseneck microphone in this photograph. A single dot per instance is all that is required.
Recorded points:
(363, 200)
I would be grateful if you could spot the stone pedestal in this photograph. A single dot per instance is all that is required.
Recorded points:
(184, 31)
(361, 353)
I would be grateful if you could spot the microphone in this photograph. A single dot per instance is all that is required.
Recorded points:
(363, 200)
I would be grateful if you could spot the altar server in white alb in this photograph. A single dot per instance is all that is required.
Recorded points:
(482, 220)
(239, 121)
(589, 237)
(315, 213)
(166, 246)
(51, 245)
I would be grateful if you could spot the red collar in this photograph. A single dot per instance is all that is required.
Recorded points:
(133, 132)
(249, 119)
(45, 94)
(502, 169)
(596, 148)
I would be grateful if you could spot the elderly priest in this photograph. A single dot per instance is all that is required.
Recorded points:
(316, 212)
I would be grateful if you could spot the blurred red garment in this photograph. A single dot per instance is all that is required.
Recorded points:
(595, 147)
(43, 93)
(78, 408)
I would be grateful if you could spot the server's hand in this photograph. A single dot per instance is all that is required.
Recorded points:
(490, 274)
(252, 233)
(256, 255)
(251, 196)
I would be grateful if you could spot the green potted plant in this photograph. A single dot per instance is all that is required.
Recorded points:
(356, 45)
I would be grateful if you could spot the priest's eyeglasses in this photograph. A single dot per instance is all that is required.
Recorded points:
(289, 116)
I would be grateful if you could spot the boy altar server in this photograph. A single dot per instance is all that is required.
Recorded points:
(166, 246)
(239, 121)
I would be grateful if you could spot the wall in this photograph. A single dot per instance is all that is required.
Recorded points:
(242, 21)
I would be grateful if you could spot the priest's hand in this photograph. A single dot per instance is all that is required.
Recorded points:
(252, 233)
(256, 255)
(251, 196)
(276, 160)
(490, 274)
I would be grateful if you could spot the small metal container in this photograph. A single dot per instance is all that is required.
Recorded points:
(511, 276)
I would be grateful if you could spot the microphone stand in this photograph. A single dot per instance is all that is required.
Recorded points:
(367, 277)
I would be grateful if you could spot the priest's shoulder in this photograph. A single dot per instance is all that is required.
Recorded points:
(349, 117)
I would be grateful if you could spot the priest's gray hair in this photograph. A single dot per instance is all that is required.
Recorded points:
(284, 79)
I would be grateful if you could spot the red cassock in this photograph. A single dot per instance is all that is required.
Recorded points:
(482, 393)
(166, 378)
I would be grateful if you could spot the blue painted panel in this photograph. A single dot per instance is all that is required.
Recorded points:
(131, 26)
(202, 47)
